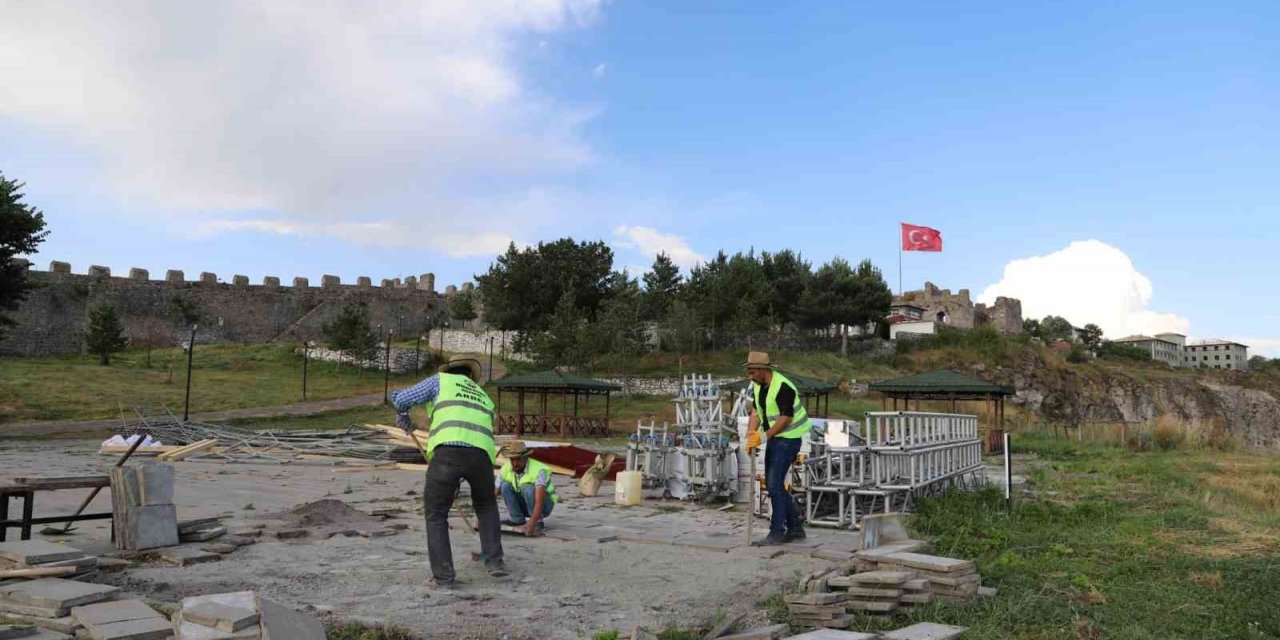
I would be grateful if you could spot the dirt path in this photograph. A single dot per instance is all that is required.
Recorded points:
(67, 427)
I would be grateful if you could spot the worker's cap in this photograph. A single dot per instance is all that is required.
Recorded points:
(517, 449)
(758, 360)
(471, 364)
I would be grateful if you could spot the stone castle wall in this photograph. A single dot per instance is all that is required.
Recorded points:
(52, 320)
(959, 311)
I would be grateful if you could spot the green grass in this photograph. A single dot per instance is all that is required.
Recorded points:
(350, 630)
(1115, 544)
(223, 377)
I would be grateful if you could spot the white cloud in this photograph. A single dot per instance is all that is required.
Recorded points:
(308, 109)
(1267, 347)
(650, 242)
(598, 72)
(378, 233)
(1086, 282)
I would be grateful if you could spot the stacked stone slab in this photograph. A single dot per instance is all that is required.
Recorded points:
(38, 554)
(819, 610)
(48, 602)
(122, 620)
(142, 500)
(950, 579)
(878, 592)
(242, 615)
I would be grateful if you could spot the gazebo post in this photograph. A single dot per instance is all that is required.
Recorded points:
(575, 403)
(607, 395)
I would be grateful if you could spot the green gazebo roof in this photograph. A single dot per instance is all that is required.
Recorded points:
(554, 379)
(806, 386)
(940, 383)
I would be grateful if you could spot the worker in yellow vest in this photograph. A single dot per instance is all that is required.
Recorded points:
(459, 447)
(525, 485)
(777, 409)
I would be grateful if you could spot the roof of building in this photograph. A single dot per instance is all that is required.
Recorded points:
(1213, 341)
(899, 319)
(554, 379)
(940, 382)
(906, 304)
(1145, 339)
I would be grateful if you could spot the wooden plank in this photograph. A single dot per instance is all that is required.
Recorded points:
(189, 450)
(56, 484)
(110, 449)
(405, 466)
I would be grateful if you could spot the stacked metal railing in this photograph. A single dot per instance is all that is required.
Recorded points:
(695, 458)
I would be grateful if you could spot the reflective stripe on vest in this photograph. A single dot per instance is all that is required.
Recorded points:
(800, 424)
(530, 476)
(463, 413)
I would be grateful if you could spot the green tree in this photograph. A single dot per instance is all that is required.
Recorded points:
(523, 288)
(105, 334)
(787, 275)
(566, 339)
(1091, 337)
(1031, 327)
(661, 286)
(462, 306)
(21, 230)
(730, 293)
(872, 297)
(351, 332)
(1054, 328)
(185, 309)
(619, 327)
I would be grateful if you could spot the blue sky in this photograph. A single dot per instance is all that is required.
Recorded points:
(282, 139)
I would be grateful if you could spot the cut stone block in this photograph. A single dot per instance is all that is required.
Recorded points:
(987, 592)
(187, 526)
(878, 607)
(880, 529)
(890, 549)
(917, 598)
(46, 634)
(925, 631)
(202, 535)
(817, 598)
(771, 632)
(183, 556)
(31, 552)
(117, 611)
(155, 484)
(931, 563)
(865, 592)
(8, 608)
(881, 577)
(221, 616)
(83, 562)
(10, 631)
(279, 623)
(143, 629)
(65, 624)
(152, 527)
(56, 593)
(834, 634)
(239, 600)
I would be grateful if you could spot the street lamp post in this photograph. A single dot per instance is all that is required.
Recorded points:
(191, 348)
(490, 358)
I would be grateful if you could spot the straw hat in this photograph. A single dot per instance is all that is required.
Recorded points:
(517, 449)
(472, 365)
(758, 360)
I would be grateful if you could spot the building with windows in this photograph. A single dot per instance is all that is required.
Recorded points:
(1216, 354)
(1161, 349)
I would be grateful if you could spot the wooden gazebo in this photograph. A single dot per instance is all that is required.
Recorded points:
(942, 385)
(814, 394)
(540, 419)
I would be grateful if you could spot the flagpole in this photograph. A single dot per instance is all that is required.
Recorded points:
(899, 263)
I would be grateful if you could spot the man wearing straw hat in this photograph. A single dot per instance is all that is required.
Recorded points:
(777, 409)
(459, 446)
(525, 485)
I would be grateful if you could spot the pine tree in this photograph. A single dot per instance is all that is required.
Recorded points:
(105, 334)
(661, 285)
(21, 229)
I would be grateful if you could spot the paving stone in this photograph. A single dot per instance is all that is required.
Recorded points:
(221, 616)
(923, 597)
(289, 534)
(218, 548)
(816, 598)
(183, 556)
(155, 484)
(882, 577)
(771, 632)
(188, 526)
(152, 527)
(864, 592)
(46, 634)
(57, 593)
(143, 629)
(115, 611)
(834, 634)
(867, 605)
(202, 535)
(31, 552)
(925, 631)
(279, 623)
(10, 631)
(931, 563)
(890, 549)
(8, 608)
(65, 624)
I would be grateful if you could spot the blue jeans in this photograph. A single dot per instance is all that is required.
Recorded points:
(520, 505)
(779, 455)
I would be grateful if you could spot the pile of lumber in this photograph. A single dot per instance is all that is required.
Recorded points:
(202, 446)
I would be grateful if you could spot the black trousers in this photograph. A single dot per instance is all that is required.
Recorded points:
(448, 467)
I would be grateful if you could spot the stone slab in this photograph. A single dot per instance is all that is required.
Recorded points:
(839, 622)
(817, 598)
(289, 534)
(221, 616)
(881, 577)
(155, 484)
(30, 552)
(8, 608)
(10, 631)
(46, 634)
(917, 598)
(56, 593)
(239, 541)
(931, 563)
(83, 562)
(196, 524)
(279, 623)
(889, 549)
(65, 624)
(955, 581)
(879, 607)
(152, 527)
(143, 629)
(192, 631)
(865, 592)
(183, 556)
(834, 634)
(925, 631)
(771, 632)
(113, 565)
(202, 535)
(114, 611)
(219, 548)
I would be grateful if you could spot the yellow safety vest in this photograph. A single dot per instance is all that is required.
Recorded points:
(463, 413)
(800, 424)
(531, 469)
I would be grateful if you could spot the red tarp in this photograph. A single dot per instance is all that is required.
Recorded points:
(576, 458)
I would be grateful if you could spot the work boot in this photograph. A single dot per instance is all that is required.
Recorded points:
(512, 523)
(442, 585)
(771, 540)
(792, 536)
(497, 568)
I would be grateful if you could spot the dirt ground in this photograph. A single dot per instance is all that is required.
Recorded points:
(607, 567)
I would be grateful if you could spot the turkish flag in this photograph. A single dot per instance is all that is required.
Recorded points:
(915, 238)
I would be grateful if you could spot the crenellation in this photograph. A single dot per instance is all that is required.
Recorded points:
(387, 283)
(301, 283)
(427, 282)
(468, 286)
(99, 271)
(330, 282)
(208, 278)
(59, 267)
(411, 282)
(958, 310)
(139, 275)
(23, 265)
(240, 281)
(450, 290)
(363, 282)
(175, 276)
(271, 282)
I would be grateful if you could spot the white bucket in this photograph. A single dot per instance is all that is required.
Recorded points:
(627, 488)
